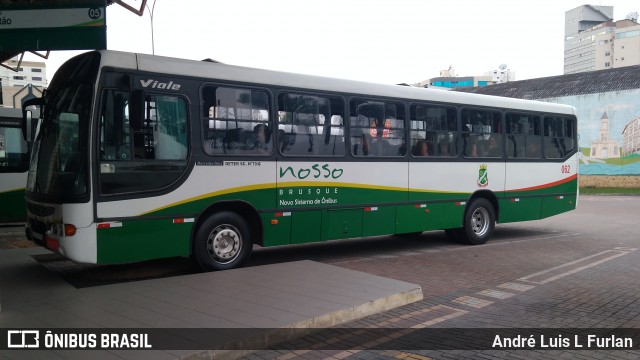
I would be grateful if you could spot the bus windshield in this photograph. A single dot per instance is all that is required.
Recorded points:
(58, 166)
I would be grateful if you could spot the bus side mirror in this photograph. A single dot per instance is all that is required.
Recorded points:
(136, 109)
(28, 121)
(27, 118)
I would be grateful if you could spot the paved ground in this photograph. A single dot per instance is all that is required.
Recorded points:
(576, 270)
(216, 310)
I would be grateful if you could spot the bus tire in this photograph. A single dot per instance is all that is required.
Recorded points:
(222, 242)
(479, 221)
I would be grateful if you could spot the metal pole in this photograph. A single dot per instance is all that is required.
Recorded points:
(153, 7)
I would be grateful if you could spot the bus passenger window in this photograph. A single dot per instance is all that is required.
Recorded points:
(434, 130)
(523, 136)
(377, 128)
(482, 133)
(236, 122)
(149, 156)
(13, 150)
(559, 137)
(310, 125)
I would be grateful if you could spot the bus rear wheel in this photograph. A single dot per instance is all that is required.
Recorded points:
(222, 242)
(479, 222)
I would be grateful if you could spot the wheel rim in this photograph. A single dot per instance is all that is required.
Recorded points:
(480, 221)
(224, 244)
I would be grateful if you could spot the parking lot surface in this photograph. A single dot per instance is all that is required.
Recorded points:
(577, 271)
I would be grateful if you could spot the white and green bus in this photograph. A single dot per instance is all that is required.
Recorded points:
(14, 162)
(141, 157)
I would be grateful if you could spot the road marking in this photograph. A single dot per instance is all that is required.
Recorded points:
(445, 312)
(573, 267)
(472, 301)
(516, 286)
(404, 355)
(495, 294)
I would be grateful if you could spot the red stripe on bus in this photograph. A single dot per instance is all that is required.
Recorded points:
(544, 186)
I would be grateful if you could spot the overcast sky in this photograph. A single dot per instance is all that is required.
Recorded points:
(385, 41)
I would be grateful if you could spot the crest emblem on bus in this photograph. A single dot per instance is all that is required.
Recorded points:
(483, 178)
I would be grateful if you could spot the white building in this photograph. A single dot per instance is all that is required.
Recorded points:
(14, 84)
(582, 25)
(593, 41)
(626, 48)
(631, 137)
(29, 72)
(501, 75)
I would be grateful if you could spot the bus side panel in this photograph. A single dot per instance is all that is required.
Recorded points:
(306, 226)
(13, 206)
(140, 240)
(557, 204)
(420, 217)
(277, 229)
(380, 220)
(535, 188)
(344, 223)
(515, 208)
(453, 214)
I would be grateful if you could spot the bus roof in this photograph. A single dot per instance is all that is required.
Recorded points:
(211, 70)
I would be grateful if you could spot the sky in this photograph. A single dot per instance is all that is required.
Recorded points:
(383, 41)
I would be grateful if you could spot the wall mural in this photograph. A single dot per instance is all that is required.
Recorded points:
(602, 119)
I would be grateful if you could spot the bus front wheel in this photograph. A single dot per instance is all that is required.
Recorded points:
(222, 242)
(479, 222)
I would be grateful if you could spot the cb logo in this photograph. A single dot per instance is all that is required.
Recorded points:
(23, 339)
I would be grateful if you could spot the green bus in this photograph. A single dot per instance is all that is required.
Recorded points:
(141, 157)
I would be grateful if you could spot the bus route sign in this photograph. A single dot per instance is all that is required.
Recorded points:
(39, 25)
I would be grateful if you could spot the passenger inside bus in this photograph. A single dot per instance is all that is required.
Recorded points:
(421, 148)
(262, 142)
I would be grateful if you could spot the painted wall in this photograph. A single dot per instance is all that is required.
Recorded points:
(621, 107)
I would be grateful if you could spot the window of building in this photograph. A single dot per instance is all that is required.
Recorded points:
(36, 78)
(17, 77)
(310, 125)
(377, 128)
(36, 70)
(236, 121)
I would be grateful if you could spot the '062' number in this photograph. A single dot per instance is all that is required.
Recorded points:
(566, 169)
